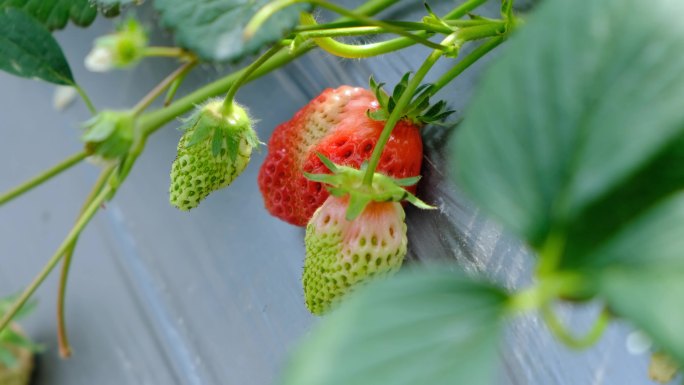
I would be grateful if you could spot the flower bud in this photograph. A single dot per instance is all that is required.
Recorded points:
(118, 50)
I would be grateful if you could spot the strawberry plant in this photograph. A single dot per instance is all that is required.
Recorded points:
(572, 143)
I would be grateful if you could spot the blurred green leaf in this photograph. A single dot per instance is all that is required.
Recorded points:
(592, 154)
(213, 28)
(28, 49)
(7, 357)
(54, 14)
(640, 273)
(422, 327)
(586, 94)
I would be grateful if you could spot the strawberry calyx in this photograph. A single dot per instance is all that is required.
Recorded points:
(419, 111)
(346, 180)
(109, 135)
(225, 125)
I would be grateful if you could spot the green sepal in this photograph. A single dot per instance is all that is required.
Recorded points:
(410, 181)
(216, 143)
(419, 110)
(357, 203)
(232, 146)
(346, 180)
(327, 162)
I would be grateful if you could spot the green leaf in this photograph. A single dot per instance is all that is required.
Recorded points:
(602, 90)
(7, 358)
(213, 28)
(54, 14)
(422, 327)
(590, 156)
(28, 49)
(640, 273)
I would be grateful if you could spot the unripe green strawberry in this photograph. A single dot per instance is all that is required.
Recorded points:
(341, 253)
(213, 151)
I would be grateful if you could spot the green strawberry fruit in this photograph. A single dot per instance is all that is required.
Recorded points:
(341, 254)
(213, 151)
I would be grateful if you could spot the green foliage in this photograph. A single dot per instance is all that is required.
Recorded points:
(423, 327)
(419, 109)
(10, 338)
(54, 14)
(28, 49)
(213, 28)
(574, 142)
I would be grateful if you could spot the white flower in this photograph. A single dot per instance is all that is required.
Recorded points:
(63, 97)
(100, 59)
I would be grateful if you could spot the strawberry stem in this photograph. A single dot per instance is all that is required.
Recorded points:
(62, 336)
(466, 62)
(43, 177)
(56, 257)
(86, 99)
(400, 107)
(353, 51)
(246, 73)
(565, 336)
(161, 87)
(268, 10)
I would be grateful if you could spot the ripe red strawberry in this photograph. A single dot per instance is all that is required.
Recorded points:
(341, 254)
(335, 124)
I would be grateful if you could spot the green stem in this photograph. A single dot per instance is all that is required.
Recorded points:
(564, 335)
(166, 52)
(482, 31)
(353, 51)
(161, 87)
(464, 9)
(62, 336)
(268, 10)
(352, 27)
(399, 109)
(86, 99)
(466, 62)
(38, 280)
(246, 73)
(43, 177)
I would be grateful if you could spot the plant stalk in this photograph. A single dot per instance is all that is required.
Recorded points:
(268, 10)
(62, 336)
(56, 257)
(43, 177)
(402, 103)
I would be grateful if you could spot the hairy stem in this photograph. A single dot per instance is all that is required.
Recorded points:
(247, 72)
(161, 87)
(62, 336)
(56, 257)
(399, 109)
(356, 51)
(42, 177)
(268, 10)
(86, 99)
(464, 9)
(466, 62)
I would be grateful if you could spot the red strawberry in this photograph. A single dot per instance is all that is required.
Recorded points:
(335, 124)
